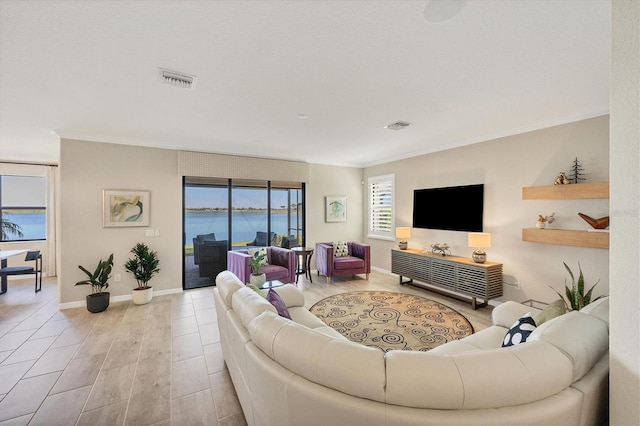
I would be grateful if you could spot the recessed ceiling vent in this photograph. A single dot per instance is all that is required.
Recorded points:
(398, 125)
(178, 79)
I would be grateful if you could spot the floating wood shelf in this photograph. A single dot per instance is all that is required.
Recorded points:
(563, 192)
(566, 237)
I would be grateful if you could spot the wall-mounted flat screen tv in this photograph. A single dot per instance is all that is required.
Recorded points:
(454, 208)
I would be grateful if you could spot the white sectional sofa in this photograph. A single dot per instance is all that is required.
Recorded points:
(300, 371)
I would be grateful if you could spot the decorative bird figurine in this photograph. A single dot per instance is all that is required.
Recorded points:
(600, 223)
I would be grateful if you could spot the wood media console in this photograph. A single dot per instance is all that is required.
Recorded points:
(461, 277)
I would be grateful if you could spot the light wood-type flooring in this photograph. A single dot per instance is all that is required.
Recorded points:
(156, 364)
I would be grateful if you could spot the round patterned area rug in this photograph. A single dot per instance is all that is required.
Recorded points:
(389, 320)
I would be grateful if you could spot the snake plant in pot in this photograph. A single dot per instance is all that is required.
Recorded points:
(143, 266)
(98, 300)
(576, 297)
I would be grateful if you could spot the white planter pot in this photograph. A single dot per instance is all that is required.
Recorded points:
(143, 296)
(257, 280)
(541, 225)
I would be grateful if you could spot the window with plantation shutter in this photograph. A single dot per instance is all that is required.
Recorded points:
(381, 207)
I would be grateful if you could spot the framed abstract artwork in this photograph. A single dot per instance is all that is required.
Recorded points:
(123, 208)
(336, 208)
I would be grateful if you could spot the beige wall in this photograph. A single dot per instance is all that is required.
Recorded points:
(625, 214)
(504, 166)
(333, 180)
(86, 169)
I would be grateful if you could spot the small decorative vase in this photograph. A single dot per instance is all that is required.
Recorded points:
(541, 225)
(142, 296)
(257, 280)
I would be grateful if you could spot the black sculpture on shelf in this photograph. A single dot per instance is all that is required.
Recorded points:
(442, 249)
(576, 172)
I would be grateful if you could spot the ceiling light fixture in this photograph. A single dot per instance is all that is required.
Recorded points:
(177, 79)
(442, 10)
(303, 116)
(398, 125)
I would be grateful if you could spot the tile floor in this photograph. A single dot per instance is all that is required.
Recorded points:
(156, 364)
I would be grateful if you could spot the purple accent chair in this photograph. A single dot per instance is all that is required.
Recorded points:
(358, 261)
(281, 264)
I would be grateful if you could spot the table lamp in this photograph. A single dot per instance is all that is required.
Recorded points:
(403, 232)
(479, 240)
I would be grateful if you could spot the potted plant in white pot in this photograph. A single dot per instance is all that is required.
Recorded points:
(98, 300)
(257, 261)
(143, 266)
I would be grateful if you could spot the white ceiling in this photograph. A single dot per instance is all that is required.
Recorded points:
(89, 70)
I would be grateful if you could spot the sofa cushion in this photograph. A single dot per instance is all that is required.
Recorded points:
(274, 298)
(598, 309)
(489, 338)
(582, 338)
(339, 364)
(552, 310)
(340, 249)
(489, 378)
(519, 331)
(303, 317)
(506, 313)
(349, 262)
(206, 237)
(228, 283)
(292, 297)
(248, 305)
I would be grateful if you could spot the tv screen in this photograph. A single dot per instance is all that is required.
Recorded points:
(454, 208)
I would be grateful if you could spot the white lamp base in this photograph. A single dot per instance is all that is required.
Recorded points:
(403, 245)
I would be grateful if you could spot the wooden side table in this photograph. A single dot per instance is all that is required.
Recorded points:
(303, 261)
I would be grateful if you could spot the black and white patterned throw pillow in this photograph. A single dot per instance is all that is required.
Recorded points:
(519, 331)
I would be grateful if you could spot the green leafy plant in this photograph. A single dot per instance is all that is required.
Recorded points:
(576, 297)
(9, 227)
(144, 264)
(99, 279)
(256, 262)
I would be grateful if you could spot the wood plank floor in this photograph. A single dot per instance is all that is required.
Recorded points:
(157, 364)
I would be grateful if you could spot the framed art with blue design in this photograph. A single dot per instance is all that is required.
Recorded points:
(125, 208)
(336, 208)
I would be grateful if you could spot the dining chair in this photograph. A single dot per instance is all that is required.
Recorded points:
(36, 269)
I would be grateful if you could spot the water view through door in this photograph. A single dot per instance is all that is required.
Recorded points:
(256, 206)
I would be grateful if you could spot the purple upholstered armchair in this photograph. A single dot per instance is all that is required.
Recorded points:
(357, 262)
(281, 264)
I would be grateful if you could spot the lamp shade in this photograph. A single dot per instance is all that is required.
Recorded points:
(403, 232)
(479, 239)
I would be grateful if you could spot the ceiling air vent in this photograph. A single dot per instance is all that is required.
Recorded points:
(177, 79)
(398, 125)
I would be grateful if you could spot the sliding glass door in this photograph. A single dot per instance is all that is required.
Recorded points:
(249, 220)
(287, 218)
(224, 214)
(206, 231)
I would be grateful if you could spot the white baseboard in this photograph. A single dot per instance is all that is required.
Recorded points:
(121, 298)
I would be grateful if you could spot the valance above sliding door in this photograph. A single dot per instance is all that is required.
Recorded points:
(200, 164)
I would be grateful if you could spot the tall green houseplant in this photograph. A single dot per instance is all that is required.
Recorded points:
(576, 297)
(143, 265)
